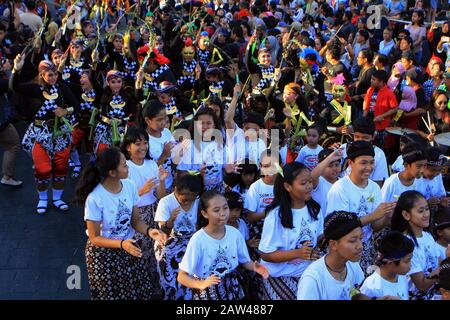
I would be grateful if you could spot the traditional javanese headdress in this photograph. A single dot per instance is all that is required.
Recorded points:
(154, 55)
(46, 65)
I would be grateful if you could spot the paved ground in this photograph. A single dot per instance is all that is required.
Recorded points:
(35, 251)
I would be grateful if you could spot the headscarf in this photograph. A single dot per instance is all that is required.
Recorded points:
(46, 65)
(274, 48)
(394, 81)
(112, 74)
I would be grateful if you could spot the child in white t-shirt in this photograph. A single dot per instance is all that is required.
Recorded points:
(290, 233)
(364, 130)
(260, 196)
(209, 265)
(236, 205)
(309, 154)
(337, 275)
(204, 153)
(441, 230)
(325, 175)
(150, 183)
(357, 193)
(397, 166)
(248, 174)
(160, 139)
(395, 251)
(411, 216)
(432, 185)
(414, 160)
(112, 218)
(177, 217)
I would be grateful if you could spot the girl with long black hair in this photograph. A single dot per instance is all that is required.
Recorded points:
(290, 233)
(114, 261)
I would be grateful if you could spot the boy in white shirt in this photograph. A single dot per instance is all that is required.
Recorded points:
(414, 161)
(325, 175)
(309, 154)
(364, 129)
(357, 193)
(432, 185)
(337, 275)
(394, 261)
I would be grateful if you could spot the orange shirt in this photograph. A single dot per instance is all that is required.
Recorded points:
(385, 101)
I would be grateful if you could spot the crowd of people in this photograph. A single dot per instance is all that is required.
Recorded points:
(228, 150)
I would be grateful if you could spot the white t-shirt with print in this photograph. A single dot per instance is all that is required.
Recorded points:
(320, 193)
(205, 255)
(433, 188)
(209, 154)
(425, 257)
(259, 196)
(140, 174)
(344, 195)
(238, 148)
(309, 157)
(398, 166)
(317, 283)
(393, 188)
(380, 172)
(186, 221)
(155, 150)
(376, 286)
(243, 229)
(114, 211)
(275, 237)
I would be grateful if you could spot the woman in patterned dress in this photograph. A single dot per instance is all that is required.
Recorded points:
(116, 269)
(47, 138)
(117, 109)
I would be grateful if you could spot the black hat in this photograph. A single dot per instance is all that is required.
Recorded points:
(340, 223)
(359, 148)
(254, 117)
(413, 152)
(441, 219)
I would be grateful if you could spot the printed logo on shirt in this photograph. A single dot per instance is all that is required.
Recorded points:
(305, 234)
(221, 265)
(123, 221)
(267, 200)
(311, 161)
(184, 225)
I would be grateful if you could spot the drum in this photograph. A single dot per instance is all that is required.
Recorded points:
(399, 131)
(443, 139)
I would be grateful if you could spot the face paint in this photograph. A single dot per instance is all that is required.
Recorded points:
(204, 42)
(338, 91)
(188, 53)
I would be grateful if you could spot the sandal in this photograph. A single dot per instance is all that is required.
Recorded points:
(42, 207)
(76, 171)
(61, 205)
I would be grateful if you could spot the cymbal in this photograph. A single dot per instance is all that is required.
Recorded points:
(399, 131)
(443, 139)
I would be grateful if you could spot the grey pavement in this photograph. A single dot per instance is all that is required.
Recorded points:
(36, 251)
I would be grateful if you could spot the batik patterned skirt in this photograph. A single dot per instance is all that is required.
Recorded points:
(147, 244)
(368, 256)
(169, 257)
(280, 288)
(114, 274)
(229, 288)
